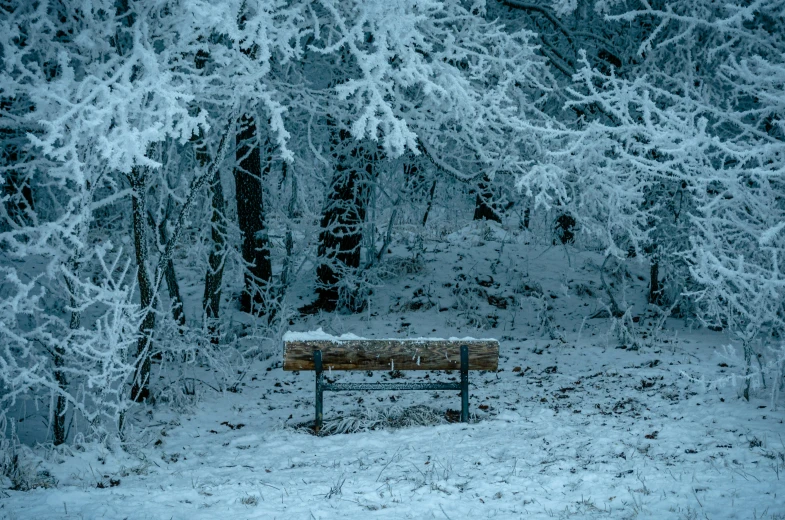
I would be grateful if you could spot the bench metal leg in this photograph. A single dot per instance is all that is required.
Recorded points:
(317, 362)
(321, 387)
(464, 383)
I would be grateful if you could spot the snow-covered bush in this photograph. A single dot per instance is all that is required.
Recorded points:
(99, 91)
(74, 355)
(685, 153)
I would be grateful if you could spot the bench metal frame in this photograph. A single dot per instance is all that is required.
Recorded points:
(323, 386)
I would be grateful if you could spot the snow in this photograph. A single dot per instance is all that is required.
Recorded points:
(575, 423)
(320, 335)
(586, 455)
(768, 236)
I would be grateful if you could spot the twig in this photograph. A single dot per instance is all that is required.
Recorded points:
(199, 380)
(388, 463)
(546, 13)
(696, 497)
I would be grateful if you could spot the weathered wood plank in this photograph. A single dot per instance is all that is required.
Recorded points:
(391, 354)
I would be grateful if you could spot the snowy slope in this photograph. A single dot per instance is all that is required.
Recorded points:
(577, 423)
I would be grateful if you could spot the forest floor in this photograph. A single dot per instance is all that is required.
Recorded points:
(585, 418)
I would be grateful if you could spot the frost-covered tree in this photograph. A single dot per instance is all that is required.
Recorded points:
(574, 35)
(105, 88)
(431, 78)
(116, 115)
(693, 134)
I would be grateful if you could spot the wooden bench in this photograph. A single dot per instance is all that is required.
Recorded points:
(319, 352)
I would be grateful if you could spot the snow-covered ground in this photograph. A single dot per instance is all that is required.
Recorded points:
(577, 423)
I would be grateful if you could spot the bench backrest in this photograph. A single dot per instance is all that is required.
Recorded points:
(391, 354)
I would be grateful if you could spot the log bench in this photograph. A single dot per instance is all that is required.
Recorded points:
(319, 352)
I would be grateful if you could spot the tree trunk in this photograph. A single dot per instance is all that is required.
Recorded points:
(123, 42)
(655, 292)
(178, 313)
(250, 216)
(170, 276)
(342, 231)
(342, 226)
(564, 229)
(140, 389)
(59, 355)
(17, 190)
(213, 279)
(430, 203)
(58, 414)
(291, 209)
(147, 289)
(484, 207)
(341, 235)
(211, 300)
(749, 353)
